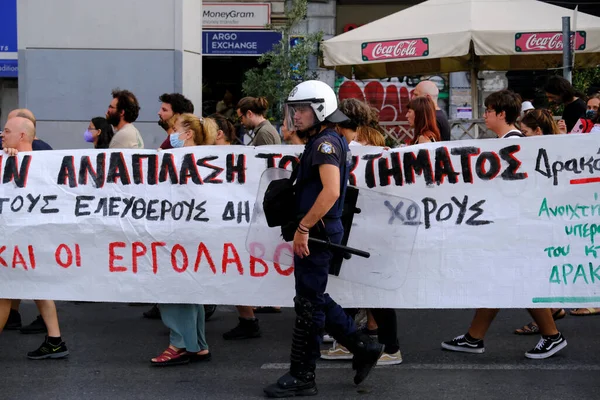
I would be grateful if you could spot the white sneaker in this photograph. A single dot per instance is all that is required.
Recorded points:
(390, 359)
(328, 339)
(337, 352)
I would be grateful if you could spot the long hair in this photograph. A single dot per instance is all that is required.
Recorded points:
(540, 119)
(559, 86)
(106, 132)
(258, 105)
(425, 124)
(226, 126)
(202, 135)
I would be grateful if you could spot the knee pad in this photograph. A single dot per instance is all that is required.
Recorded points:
(304, 308)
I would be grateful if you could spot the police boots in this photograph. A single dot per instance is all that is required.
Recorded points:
(300, 381)
(366, 354)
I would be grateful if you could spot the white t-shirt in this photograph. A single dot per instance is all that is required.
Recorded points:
(512, 133)
(128, 137)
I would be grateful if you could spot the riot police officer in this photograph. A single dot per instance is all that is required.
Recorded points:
(320, 188)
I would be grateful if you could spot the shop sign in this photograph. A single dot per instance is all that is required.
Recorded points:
(395, 49)
(236, 15)
(238, 43)
(527, 42)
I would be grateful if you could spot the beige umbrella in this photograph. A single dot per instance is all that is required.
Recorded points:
(462, 35)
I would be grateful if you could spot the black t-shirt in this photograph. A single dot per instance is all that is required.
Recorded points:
(443, 125)
(573, 111)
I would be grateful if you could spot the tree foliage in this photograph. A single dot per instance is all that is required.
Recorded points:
(286, 65)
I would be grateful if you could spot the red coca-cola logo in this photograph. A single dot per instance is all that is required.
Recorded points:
(395, 49)
(546, 41)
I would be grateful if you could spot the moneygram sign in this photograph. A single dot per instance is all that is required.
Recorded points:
(395, 49)
(529, 42)
(235, 15)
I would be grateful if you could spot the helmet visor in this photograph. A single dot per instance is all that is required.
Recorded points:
(300, 116)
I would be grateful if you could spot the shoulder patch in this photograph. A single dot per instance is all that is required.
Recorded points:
(326, 148)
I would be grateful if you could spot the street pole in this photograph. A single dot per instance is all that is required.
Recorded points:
(566, 32)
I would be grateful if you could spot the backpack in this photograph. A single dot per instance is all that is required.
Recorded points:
(279, 202)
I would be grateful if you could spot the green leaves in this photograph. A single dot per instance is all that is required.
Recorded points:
(287, 64)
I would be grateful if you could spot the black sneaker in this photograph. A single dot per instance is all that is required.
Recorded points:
(14, 321)
(547, 347)
(37, 326)
(48, 350)
(460, 343)
(245, 329)
(291, 386)
(153, 313)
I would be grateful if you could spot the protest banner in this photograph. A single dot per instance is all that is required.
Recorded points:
(501, 223)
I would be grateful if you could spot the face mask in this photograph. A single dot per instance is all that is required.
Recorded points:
(88, 136)
(175, 141)
(591, 114)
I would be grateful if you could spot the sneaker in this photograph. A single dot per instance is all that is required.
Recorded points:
(245, 329)
(37, 326)
(153, 313)
(460, 343)
(328, 338)
(48, 350)
(14, 321)
(547, 347)
(390, 359)
(337, 352)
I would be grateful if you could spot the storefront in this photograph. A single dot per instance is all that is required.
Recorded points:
(8, 59)
(233, 38)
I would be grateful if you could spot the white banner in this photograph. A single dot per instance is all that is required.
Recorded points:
(502, 223)
(236, 15)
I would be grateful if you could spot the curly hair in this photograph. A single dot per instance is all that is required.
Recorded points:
(127, 102)
(179, 103)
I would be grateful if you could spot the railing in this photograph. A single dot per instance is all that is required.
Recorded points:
(399, 132)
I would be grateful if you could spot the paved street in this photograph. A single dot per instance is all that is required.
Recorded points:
(111, 345)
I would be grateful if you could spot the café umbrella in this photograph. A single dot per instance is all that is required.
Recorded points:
(439, 36)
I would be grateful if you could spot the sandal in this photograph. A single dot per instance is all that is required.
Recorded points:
(171, 357)
(532, 328)
(529, 329)
(581, 312)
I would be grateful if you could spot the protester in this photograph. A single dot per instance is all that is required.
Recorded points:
(122, 112)
(429, 89)
(539, 122)
(526, 106)
(38, 144)
(186, 322)
(421, 117)
(323, 173)
(225, 106)
(501, 113)
(99, 132)
(560, 91)
(172, 106)
(225, 132)
(288, 132)
(251, 111)
(384, 324)
(590, 123)
(19, 135)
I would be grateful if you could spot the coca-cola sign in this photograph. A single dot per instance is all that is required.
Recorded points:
(528, 42)
(395, 49)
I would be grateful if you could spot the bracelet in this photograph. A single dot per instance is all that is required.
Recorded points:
(306, 228)
(301, 232)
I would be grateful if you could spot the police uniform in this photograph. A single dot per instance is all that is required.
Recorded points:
(315, 309)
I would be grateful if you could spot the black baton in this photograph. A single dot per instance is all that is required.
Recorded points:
(341, 248)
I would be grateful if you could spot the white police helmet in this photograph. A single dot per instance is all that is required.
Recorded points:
(320, 97)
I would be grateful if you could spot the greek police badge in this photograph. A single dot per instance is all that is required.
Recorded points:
(326, 148)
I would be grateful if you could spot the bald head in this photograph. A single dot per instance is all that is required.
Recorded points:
(19, 134)
(427, 89)
(23, 113)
